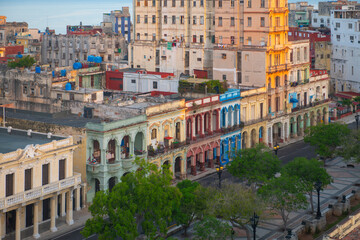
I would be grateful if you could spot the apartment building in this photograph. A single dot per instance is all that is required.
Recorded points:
(345, 39)
(119, 21)
(172, 36)
(64, 50)
(300, 14)
(37, 178)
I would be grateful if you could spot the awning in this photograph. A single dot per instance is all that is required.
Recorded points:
(168, 138)
(293, 100)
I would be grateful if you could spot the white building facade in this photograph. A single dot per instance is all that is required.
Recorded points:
(345, 39)
(147, 82)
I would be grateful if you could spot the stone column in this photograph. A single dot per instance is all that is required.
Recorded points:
(77, 203)
(211, 160)
(202, 161)
(131, 147)
(183, 169)
(69, 210)
(2, 225)
(62, 209)
(52, 213)
(18, 225)
(36, 220)
(84, 195)
(193, 128)
(103, 156)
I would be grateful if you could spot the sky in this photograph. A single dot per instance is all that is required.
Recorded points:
(57, 14)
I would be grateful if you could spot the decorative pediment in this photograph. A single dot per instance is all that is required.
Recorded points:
(30, 151)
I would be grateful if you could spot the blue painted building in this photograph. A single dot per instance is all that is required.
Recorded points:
(230, 124)
(121, 22)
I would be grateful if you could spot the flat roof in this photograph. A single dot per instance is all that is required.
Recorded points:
(70, 120)
(16, 139)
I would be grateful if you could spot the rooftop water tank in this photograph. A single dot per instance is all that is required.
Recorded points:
(63, 73)
(53, 73)
(19, 56)
(90, 58)
(77, 65)
(37, 69)
(68, 86)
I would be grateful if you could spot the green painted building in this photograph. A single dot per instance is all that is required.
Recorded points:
(111, 151)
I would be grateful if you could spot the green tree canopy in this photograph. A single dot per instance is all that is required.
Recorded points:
(326, 138)
(192, 204)
(254, 164)
(26, 61)
(308, 172)
(351, 147)
(235, 204)
(211, 228)
(284, 195)
(144, 197)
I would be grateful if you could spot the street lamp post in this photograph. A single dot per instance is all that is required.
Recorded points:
(254, 222)
(318, 186)
(357, 121)
(219, 170)
(276, 148)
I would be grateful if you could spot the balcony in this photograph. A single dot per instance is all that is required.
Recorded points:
(41, 191)
(312, 104)
(254, 121)
(232, 128)
(279, 29)
(161, 149)
(276, 68)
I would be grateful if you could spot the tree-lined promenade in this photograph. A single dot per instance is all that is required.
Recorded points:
(145, 202)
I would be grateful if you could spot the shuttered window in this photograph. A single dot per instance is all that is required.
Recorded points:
(28, 179)
(45, 174)
(9, 184)
(61, 169)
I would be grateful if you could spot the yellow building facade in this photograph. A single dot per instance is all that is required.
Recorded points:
(36, 180)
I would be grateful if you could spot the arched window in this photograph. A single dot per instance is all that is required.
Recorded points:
(153, 133)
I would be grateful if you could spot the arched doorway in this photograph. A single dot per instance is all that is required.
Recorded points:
(96, 156)
(166, 165)
(178, 167)
(299, 125)
(277, 133)
(97, 185)
(292, 127)
(112, 183)
(261, 132)
(138, 144)
(253, 138)
(244, 140)
(125, 147)
(111, 151)
(178, 131)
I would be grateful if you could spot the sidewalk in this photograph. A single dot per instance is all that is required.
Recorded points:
(345, 181)
(80, 218)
